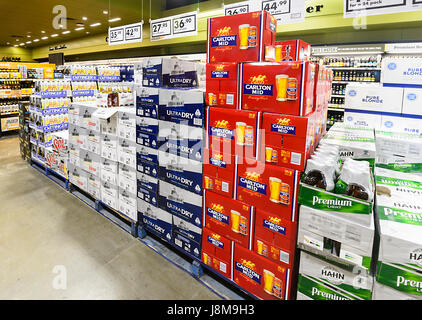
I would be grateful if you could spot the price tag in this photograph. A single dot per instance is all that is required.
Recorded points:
(160, 28)
(276, 7)
(182, 25)
(353, 8)
(125, 34)
(237, 8)
(285, 11)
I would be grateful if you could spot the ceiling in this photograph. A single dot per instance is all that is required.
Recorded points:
(24, 20)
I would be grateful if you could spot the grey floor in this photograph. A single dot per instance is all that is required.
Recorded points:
(52, 246)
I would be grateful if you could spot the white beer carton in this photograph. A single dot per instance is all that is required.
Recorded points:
(363, 119)
(108, 120)
(110, 195)
(402, 71)
(401, 124)
(412, 102)
(404, 146)
(128, 204)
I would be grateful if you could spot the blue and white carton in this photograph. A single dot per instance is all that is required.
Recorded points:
(187, 236)
(147, 125)
(155, 220)
(147, 188)
(147, 102)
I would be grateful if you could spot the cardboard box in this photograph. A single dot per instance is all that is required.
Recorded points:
(147, 188)
(233, 131)
(288, 50)
(147, 140)
(108, 120)
(93, 141)
(187, 236)
(127, 179)
(401, 72)
(108, 146)
(222, 84)
(60, 142)
(287, 141)
(110, 195)
(260, 276)
(285, 87)
(126, 123)
(180, 202)
(219, 172)
(240, 38)
(146, 154)
(266, 186)
(401, 124)
(412, 103)
(90, 162)
(231, 218)
(78, 177)
(275, 238)
(363, 119)
(94, 186)
(74, 155)
(217, 252)
(88, 120)
(148, 168)
(126, 151)
(382, 292)
(76, 135)
(128, 204)
(147, 125)
(182, 106)
(109, 171)
(155, 220)
(406, 147)
(147, 100)
(181, 172)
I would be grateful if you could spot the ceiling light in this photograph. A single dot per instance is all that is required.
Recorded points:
(36, 40)
(43, 38)
(87, 32)
(28, 36)
(84, 18)
(29, 42)
(8, 43)
(16, 45)
(54, 35)
(114, 19)
(95, 24)
(105, 12)
(22, 44)
(42, 31)
(78, 29)
(66, 32)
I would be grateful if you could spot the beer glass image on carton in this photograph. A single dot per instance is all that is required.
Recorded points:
(208, 183)
(262, 248)
(268, 281)
(281, 84)
(212, 99)
(244, 35)
(238, 223)
(240, 133)
(279, 191)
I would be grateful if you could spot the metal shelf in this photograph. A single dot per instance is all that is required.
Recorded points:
(355, 68)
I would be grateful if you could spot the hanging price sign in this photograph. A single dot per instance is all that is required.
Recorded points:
(125, 34)
(182, 25)
(237, 8)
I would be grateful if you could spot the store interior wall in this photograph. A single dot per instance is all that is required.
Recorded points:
(24, 54)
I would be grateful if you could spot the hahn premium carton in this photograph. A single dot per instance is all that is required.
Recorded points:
(240, 38)
(222, 84)
(155, 220)
(398, 147)
(321, 280)
(258, 275)
(147, 188)
(216, 252)
(285, 87)
(268, 186)
(231, 218)
(147, 100)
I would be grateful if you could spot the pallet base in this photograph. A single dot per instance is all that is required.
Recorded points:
(52, 175)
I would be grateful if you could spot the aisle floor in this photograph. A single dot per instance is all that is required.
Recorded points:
(52, 246)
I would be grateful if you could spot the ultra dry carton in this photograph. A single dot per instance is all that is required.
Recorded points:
(322, 280)
(187, 236)
(148, 168)
(146, 154)
(155, 220)
(147, 140)
(147, 188)
(147, 100)
(147, 125)
(230, 218)
(222, 85)
(285, 87)
(240, 38)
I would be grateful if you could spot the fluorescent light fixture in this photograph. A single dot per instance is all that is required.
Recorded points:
(42, 31)
(95, 24)
(114, 19)
(80, 28)
(105, 11)
(8, 43)
(16, 45)
(17, 39)
(43, 38)
(66, 32)
(22, 44)
(28, 36)
(36, 40)
(54, 35)
(87, 32)
(84, 18)
(29, 42)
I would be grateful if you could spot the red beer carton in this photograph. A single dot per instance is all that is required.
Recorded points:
(258, 275)
(218, 172)
(241, 37)
(230, 218)
(222, 84)
(216, 252)
(289, 50)
(275, 238)
(286, 140)
(267, 186)
(233, 131)
(279, 87)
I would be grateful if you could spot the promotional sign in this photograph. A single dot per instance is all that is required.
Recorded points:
(182, 25)
(354, 8)
(129, 33)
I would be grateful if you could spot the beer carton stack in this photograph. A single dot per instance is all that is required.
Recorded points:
(263, 120)
(169, 136)
(336, 221)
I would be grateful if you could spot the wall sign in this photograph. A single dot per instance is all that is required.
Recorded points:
(129, 33)
(351, 49)
(411, 47)
(353, 8)
(182, 25)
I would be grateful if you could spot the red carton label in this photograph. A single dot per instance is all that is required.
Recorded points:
(216, 252)
(233, 131)
(222, 84)
(240, 37)
(285, 87)
(267, 186)
(275, 238)
(259, 276)
(230, 218)
(289, 50)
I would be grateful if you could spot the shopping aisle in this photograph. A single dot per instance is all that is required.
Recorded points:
(42, 226)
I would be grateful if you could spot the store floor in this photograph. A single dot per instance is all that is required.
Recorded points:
(50, 240)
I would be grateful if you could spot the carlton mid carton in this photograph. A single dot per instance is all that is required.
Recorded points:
(259, 276)
(321, 280)
(218, 172)
(231, 218)
(222, 84)
(187, 236)
(155, 220)
(108, 145)
(240, 38)
(288, 50)
(147, 100)
(127, 152)
(267, 186)
(147, 125)
(109, 171)
(147, 188)
(336, 239)
(181, 172)
(180, 202)
(233, 131)
(287, 141)
(402, 72)
(275, 238)
(412, 101)
(90, 162)
(180, 139)
(285, 87)
(216, 252)
(127, 178)
(182, 106)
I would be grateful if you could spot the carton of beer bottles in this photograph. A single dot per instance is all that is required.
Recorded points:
(275, 238)
(289, 50)
(258, 275)
(285, 87)
(267, 186)
(222, 84)
(287, 140)
(231, 218)
(233, 131)
(218, 172)
(240, 38)
(216, 252)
